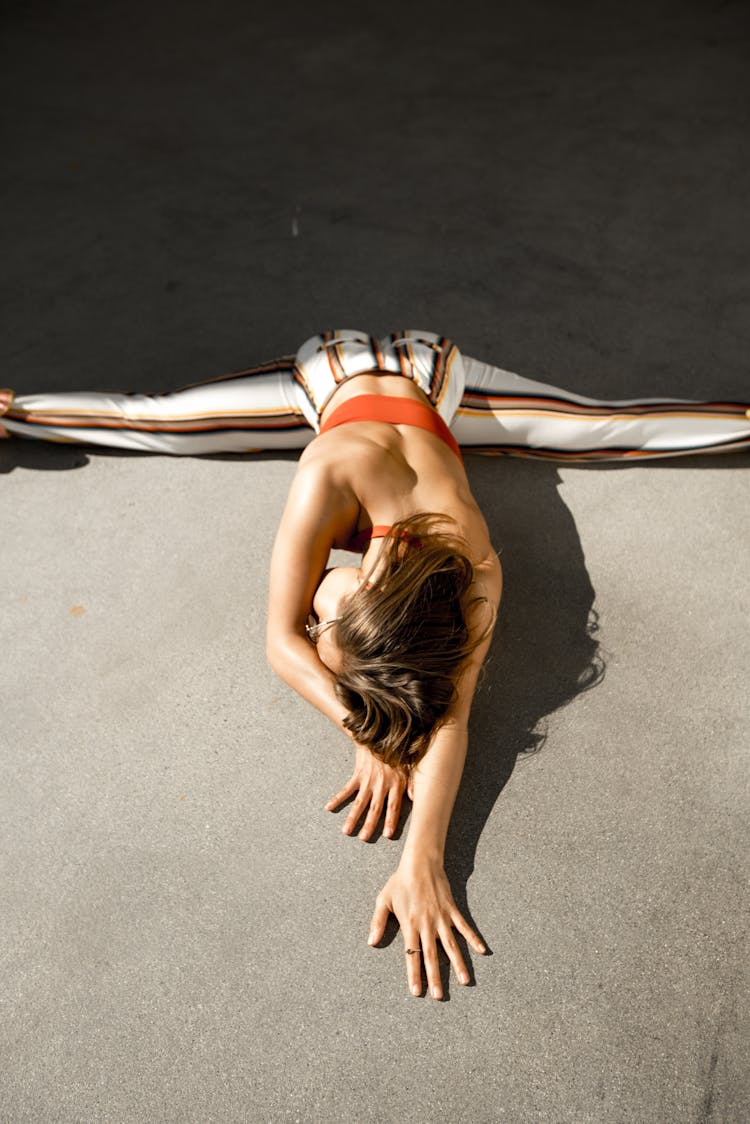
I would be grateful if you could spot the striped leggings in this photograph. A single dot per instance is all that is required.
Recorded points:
(500, 412)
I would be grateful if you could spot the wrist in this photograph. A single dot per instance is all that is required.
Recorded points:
(419, 853)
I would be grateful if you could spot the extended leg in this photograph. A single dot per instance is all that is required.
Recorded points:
(245, 412)
(501, 412)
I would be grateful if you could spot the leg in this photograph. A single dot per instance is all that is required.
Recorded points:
(246, 412)
(501, 412)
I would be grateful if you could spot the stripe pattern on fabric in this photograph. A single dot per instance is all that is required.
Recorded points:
(240, 412)
(547, 427)
(432, 361)
(505, 413)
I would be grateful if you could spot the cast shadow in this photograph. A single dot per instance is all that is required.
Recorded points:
(544, 652)
(43, 456)
(51, 456)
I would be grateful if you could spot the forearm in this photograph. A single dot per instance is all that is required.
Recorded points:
(298, 665)
(435, 785)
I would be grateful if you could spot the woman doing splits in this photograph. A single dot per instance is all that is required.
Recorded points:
(277, 406)
(389, 649)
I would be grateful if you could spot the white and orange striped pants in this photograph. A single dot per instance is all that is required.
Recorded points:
(268, 407)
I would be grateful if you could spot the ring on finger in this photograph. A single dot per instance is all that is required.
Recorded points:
(413, 951)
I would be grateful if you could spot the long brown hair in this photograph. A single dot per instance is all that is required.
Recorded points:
(403, 635)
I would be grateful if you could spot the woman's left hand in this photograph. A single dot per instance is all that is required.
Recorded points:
(420, 896)
(379, 789)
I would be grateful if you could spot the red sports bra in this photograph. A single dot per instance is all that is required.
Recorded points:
(362, 540)
(397, 411)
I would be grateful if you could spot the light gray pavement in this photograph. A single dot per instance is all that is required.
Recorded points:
(183, 927)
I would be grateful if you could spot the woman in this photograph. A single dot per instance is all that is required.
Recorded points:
(270, 407)
(389, 650)
(395, 645)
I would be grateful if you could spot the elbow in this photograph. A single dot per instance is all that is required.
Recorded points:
(282, 657)
(275, 656)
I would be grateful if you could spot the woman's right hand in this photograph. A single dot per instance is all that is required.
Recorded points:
(380, 790)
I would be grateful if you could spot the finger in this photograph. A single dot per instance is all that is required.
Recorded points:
(413, 961)
(393, 812)
(373, 816)
(453, 952)
(355, 812)
(379, 919)
(467, 932)
(431, 966)
(350, 787)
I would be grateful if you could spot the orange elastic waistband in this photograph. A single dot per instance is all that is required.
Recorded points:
(397, 411)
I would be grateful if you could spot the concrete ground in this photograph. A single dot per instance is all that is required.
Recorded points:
(188, 189)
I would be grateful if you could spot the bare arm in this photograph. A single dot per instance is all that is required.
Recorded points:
(318, 513)
(438, 776)
(418, 893)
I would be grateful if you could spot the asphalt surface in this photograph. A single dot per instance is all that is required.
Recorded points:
(189, 190)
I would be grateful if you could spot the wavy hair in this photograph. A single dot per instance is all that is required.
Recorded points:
(403, 636)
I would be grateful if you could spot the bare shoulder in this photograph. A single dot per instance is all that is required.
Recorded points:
(481, 617)
(488, 573)
(321, 501)
(485, 593)
(484, 598)
(319, 509)
(488, 578)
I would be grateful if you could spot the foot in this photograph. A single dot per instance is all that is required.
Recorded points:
(6, 398)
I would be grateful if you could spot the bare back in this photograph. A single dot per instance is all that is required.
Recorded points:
(349, 479)
(392, 471)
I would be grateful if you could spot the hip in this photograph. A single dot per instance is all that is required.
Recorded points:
(337, 365)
